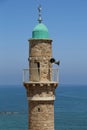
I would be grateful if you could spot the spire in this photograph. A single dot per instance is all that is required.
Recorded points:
(40, 31)
(39, 10)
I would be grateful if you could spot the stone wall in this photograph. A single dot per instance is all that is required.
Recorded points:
(41, 106)
(40, 92)
(40, 53)
(40, 48)
(41, 115)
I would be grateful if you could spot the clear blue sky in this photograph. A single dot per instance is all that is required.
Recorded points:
(67, 24)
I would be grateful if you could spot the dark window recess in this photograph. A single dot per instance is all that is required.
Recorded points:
(38, 65)
(38, 109)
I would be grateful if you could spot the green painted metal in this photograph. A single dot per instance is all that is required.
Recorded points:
(40, 32)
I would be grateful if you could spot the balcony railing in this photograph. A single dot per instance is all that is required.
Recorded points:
(40, 75)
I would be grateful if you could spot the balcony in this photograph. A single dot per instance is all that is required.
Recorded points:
(44, 75)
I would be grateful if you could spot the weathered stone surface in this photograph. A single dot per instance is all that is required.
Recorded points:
(43, 49)
(41, 115)
(41, 111)
(40, 55)
(43, 91)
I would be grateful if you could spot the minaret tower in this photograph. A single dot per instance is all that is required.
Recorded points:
(41, 79)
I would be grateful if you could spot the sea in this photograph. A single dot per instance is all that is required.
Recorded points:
(70, 108)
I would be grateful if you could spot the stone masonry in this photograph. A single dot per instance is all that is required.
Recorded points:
(40, 88)
(41, 52)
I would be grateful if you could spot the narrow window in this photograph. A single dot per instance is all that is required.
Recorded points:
(38, 109)
(38, 65)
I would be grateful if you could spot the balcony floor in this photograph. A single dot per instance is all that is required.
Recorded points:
(41, 83)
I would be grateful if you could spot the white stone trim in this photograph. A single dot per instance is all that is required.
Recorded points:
(40, 98)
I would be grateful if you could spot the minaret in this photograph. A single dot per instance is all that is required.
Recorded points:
(41, 79)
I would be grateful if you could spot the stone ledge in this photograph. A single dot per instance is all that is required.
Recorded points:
(40, 40)
(41, 98)
(40, 84)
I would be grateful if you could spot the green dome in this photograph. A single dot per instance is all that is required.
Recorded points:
(40, 32)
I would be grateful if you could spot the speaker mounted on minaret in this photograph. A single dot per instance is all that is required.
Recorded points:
(52, 60)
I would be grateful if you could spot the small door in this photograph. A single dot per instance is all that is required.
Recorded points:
(35, 71)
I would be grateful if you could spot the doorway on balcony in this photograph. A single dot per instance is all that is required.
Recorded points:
(35, 70)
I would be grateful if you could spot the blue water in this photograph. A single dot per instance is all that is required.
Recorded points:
(70, 108)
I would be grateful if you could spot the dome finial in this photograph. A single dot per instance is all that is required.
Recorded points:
(39, 10)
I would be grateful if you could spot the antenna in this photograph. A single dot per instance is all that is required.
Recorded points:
(39, 10)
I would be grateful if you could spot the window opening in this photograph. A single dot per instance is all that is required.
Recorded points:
(38, 65)
(38, 109)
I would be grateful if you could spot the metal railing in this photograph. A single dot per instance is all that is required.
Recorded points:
(40, 75)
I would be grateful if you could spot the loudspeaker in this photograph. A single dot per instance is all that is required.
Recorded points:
(52, 60)
(57, 62)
